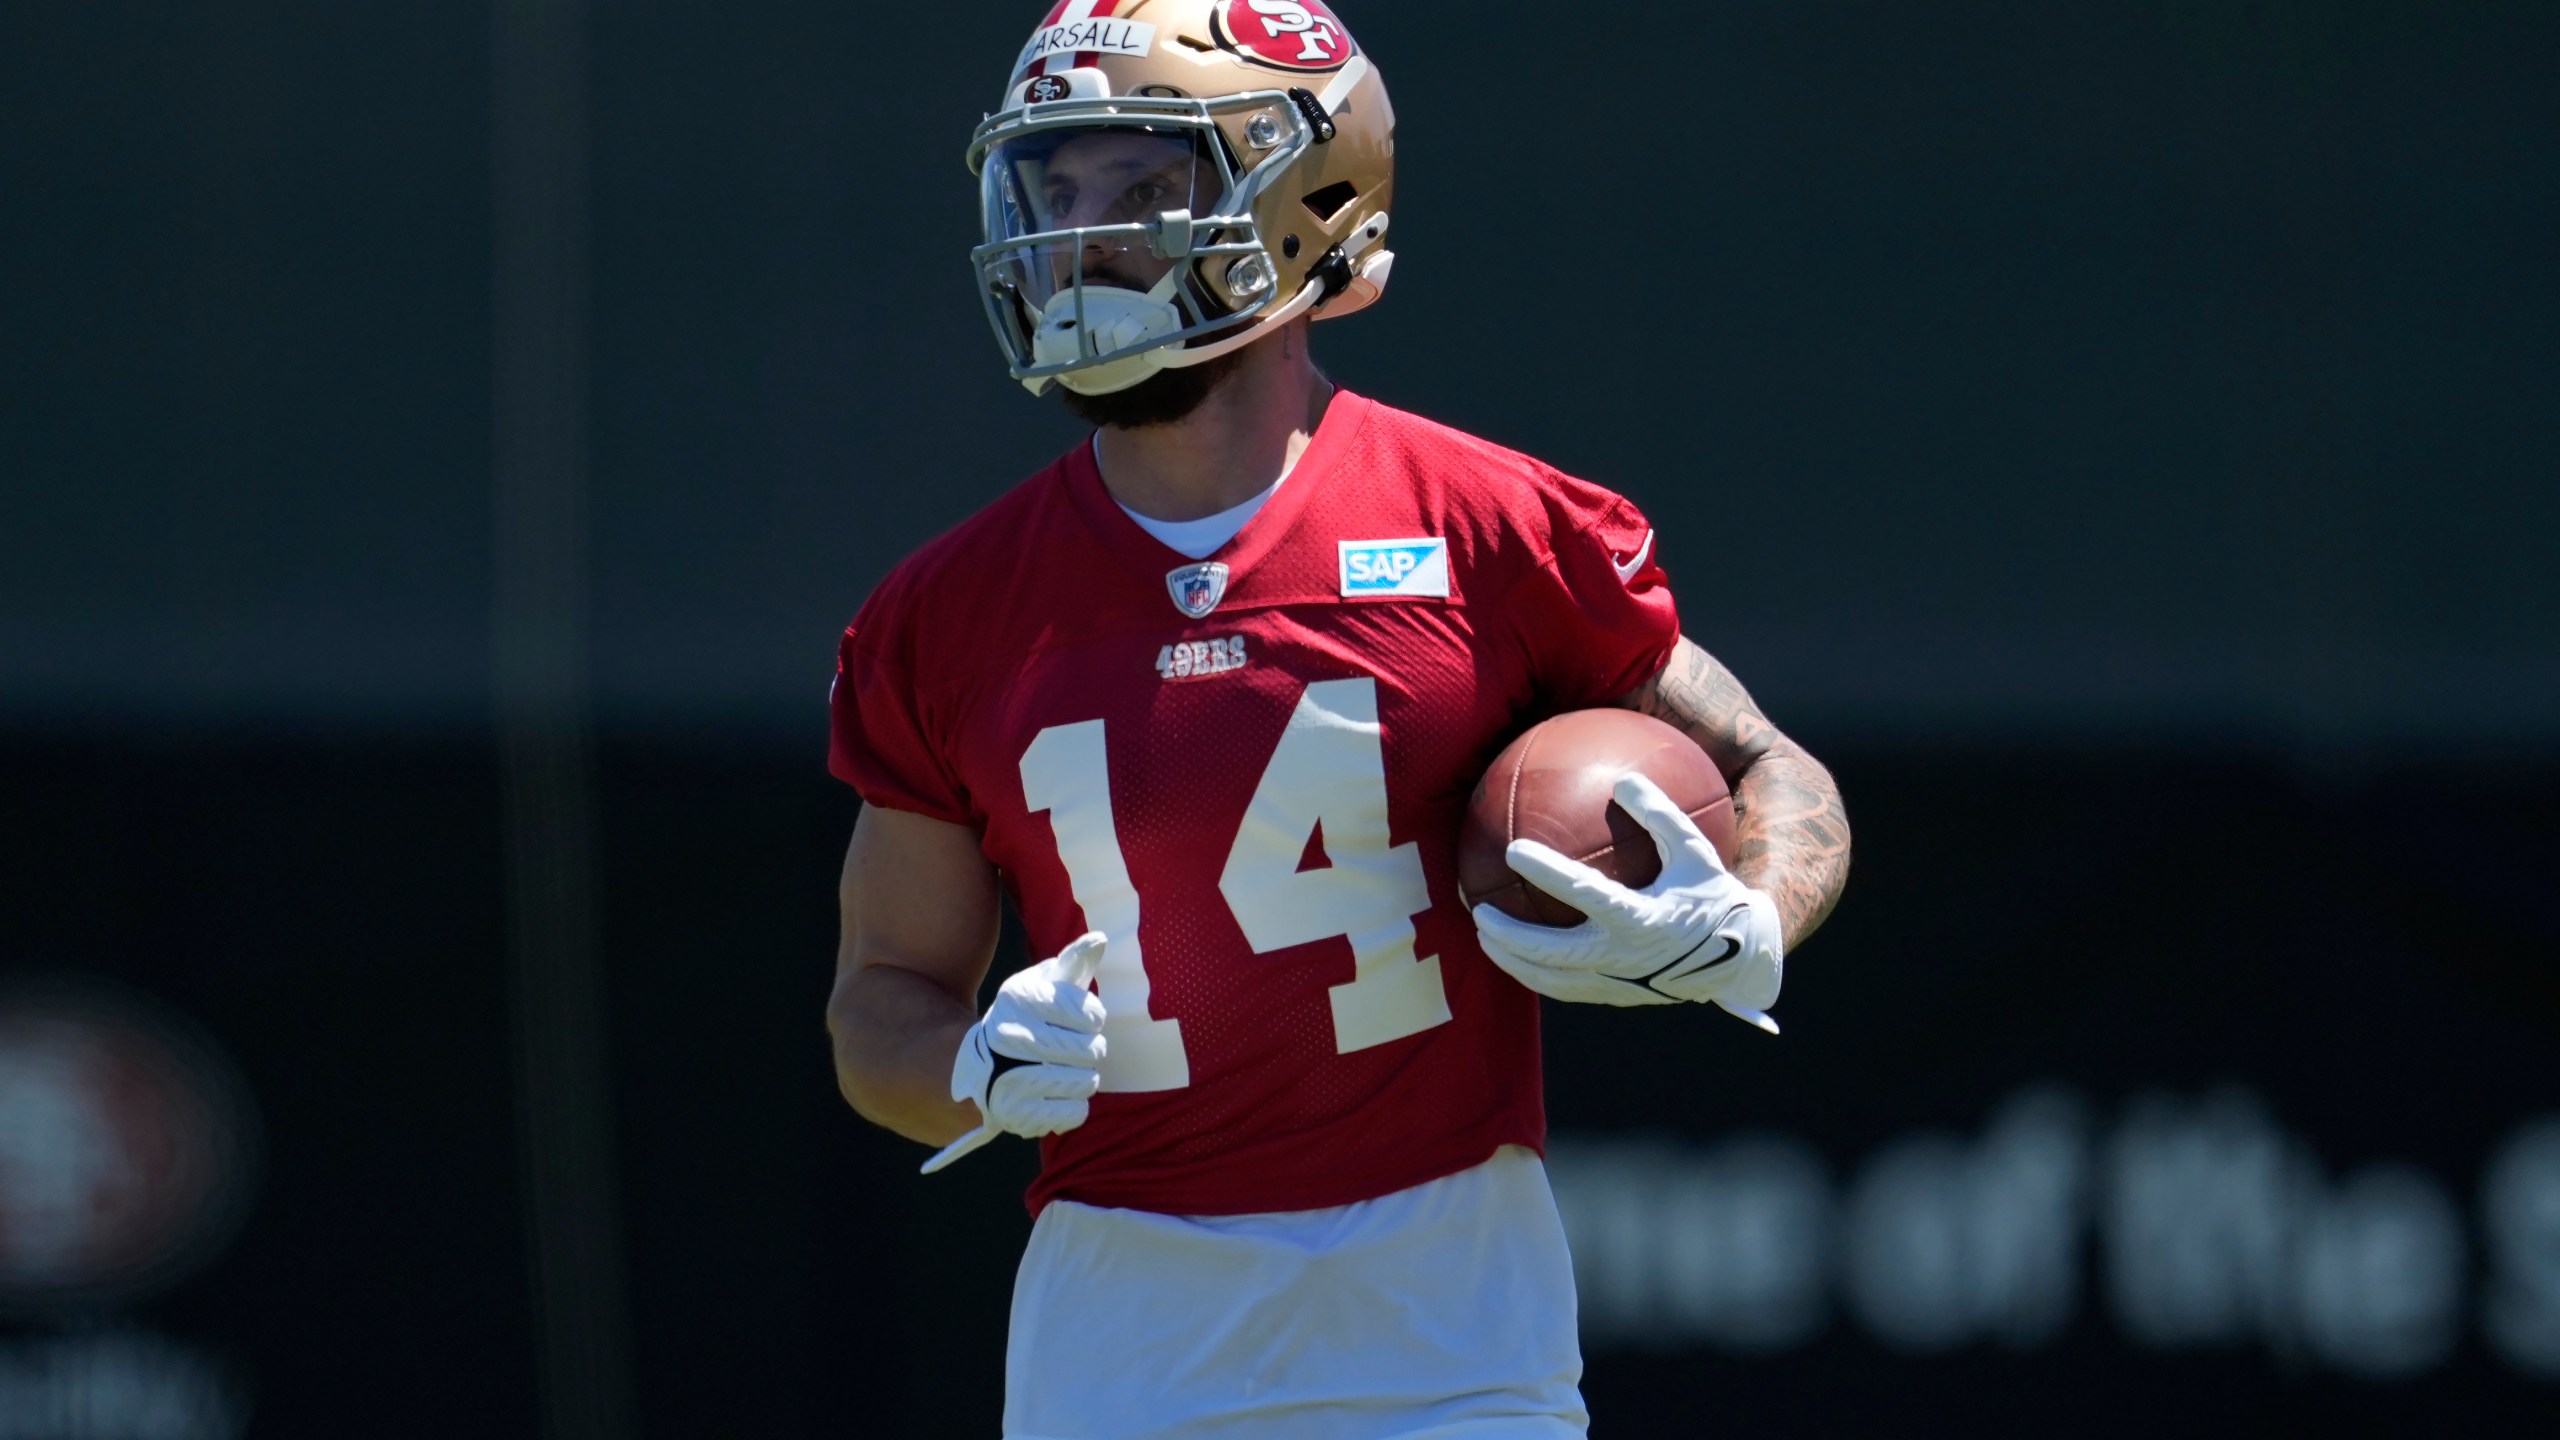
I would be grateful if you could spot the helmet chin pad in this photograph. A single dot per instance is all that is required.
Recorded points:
(1114, 319)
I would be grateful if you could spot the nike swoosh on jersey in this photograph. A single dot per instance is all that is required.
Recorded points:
(1627, 568)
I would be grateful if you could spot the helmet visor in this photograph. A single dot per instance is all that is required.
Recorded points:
(1101, 206)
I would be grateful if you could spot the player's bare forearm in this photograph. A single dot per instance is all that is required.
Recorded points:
(1792, 832)
(919, 912)
(895, 1033)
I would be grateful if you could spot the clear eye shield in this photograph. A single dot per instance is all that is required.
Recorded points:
(1120, 236)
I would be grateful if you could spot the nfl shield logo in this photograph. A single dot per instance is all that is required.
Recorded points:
(1197, 589)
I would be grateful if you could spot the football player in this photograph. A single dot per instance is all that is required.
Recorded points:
(1206, 698)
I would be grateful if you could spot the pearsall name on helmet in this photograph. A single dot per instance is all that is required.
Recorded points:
(1300, 35)
(1082, 37)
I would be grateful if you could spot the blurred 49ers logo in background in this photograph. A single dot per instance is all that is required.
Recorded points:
(127, 1147)
(1292, 34)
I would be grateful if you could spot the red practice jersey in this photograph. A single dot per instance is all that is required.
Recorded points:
(1249, 772)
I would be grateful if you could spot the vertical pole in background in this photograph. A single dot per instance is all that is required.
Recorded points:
(539, 683)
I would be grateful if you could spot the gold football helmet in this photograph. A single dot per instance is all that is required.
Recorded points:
(1169, 180)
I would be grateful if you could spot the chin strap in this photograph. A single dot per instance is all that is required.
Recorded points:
(1093, 319)
(1333, 275)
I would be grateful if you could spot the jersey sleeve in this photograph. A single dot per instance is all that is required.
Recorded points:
(1596, 618)
(879, 740)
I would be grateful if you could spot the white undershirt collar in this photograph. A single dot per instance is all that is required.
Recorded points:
(1195, 538)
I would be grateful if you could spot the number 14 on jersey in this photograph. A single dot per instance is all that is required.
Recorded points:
(1329, 768)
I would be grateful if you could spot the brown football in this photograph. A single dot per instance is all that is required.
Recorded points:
(1552, 785)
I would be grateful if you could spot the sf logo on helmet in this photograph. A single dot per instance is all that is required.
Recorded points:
(1291, 34)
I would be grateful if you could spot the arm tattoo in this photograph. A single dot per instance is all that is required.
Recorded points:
(1792, 834)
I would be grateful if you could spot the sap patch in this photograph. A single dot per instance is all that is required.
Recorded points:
(1395, 568)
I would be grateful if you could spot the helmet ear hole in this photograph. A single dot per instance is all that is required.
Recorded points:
(1327, 202)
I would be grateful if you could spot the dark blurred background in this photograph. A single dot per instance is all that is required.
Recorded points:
(440, 446)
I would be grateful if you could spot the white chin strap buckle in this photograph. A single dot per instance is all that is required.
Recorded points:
(1114, 319)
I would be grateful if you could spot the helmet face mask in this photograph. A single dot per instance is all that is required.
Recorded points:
(1152, 205)
(1087, 216)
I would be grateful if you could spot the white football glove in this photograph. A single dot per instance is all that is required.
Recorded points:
(1031, 1063)
(1695, 934)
